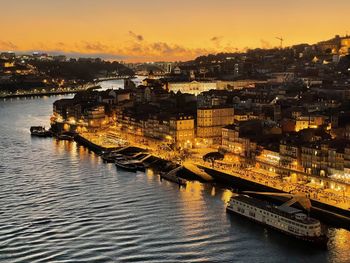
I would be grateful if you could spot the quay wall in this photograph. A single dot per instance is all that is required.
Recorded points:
(92, 146)
(331, 215)
(326, 213)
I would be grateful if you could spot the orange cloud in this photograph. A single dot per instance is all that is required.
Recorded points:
(135, 36)
(139, 50)
(265, 44)
(7, 45)
(94, 46)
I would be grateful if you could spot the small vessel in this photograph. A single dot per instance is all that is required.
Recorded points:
(40, 131)
(283, 218)
(172, 177)
(112, 156)
(127, 166)
(65, 137)
(108, 159)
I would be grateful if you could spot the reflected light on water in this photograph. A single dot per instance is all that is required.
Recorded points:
(341, 239)
(58, 200)
(193, 189)
(226, 195)
(212, 191)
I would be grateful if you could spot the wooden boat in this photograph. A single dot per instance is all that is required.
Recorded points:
(126, 166)
(172, 177)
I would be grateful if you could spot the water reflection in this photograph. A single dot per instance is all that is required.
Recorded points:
(58, 200)
(226, 195)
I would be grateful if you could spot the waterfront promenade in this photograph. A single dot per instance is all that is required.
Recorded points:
(113, 137)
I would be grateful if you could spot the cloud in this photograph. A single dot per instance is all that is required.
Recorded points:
(136, 36)
(60, 44)
(7, 45)
(216, 40)
(95, 46)
(137, 50)
(76, 54)
(265, 44)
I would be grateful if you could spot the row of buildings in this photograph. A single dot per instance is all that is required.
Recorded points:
(286, 111)
(239, 122)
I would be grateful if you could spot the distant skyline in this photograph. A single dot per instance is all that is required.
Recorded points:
(159, 30)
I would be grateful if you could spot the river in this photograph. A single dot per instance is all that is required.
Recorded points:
(61, 203)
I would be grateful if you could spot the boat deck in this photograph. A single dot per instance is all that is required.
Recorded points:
(273, 209)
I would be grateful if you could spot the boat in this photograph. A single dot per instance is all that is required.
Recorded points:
(40, 131)
(139, 165)
(130, 167)
(284, 218)
(172, 177)
(112, 156)
(65, 137)
(330, 214)
(108, 159)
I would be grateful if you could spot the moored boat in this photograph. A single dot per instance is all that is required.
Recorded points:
(284, 218)
(112, 157)
(40, 131)
(172, 177)
(65, 137)
(126, 166)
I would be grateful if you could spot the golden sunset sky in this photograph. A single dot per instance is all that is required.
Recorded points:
(154, 30)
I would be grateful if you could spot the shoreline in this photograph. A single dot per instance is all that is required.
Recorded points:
(327, 213)
(47, 93)
(160, 162)
(39, 94)
(83, 87)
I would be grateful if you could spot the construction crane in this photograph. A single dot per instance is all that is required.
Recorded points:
(281, 41)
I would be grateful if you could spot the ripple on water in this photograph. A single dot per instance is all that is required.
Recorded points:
(60, 203)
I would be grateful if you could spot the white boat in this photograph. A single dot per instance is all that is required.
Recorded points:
(284, 218)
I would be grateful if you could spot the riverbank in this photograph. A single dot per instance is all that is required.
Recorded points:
(94, 144)
(73, 189)
(325, 209)
(102, 144)
(47, 93)
(326, 212)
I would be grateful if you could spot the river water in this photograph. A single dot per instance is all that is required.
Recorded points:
(61, 203)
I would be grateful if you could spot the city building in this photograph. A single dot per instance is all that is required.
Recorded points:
(182, 130)
(336, 45)
(234, 143)
(194, 87)
(210, 122)
(290, 153)
(96, 117)
(311, 121)
(324, 158)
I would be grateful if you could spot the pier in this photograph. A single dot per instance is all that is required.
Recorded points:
(172, 176)
(93, 145)
(331, 211)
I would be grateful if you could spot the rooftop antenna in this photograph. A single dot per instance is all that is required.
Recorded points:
(281, 41)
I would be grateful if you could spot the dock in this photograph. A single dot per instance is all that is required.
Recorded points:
(327, 213)
(198, 171)
(97, 148)
(172, 176)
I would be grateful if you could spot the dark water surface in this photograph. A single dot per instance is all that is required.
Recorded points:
(60, 203)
